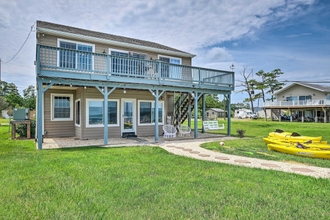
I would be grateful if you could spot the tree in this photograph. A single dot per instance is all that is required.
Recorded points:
(248, 83)
(273, 82)
(3, 103)
(29, 97)
(11, 94)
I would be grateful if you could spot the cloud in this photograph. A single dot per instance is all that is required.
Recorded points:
(298, 35)
(219, 54)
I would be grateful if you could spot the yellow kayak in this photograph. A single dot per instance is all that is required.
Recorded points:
(321, 145)
(312, 152)
(288, 136)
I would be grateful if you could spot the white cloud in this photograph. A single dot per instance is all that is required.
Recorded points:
(219, 54)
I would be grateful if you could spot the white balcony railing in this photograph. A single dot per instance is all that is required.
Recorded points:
(302, 103)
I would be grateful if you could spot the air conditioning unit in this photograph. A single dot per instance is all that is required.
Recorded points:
(21, 114)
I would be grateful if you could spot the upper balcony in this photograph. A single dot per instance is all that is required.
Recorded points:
(298, 104)
(79, 65)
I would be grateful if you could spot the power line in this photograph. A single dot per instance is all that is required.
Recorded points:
(22, 45)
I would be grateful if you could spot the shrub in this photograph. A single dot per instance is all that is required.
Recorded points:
(22, 129)
(240, 133)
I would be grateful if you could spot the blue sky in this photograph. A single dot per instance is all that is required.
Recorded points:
(292, 35)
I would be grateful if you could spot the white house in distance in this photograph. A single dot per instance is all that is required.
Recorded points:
(302, 102)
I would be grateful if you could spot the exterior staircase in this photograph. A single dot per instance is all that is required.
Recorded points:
(181, 108)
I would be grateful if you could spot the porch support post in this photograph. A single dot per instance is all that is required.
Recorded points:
(203, 111)
(302, 115)
(189, 114)
(280, 114)
(290, 115)
(105, 115)
(156, 116)
(195, 115)
(316, 115)
(39, 113)
(229, 115)
(156, 94)
(105, 94)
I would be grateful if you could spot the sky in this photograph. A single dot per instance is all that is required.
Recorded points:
(292, 35)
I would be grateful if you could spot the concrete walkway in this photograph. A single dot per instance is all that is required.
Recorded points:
(193, 150)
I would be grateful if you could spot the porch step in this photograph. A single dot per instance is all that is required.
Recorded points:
(128, 134)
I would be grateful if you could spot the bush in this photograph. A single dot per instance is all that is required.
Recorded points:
(22, 129)
(240, 133)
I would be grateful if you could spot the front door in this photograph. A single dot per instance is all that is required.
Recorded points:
(128, 115)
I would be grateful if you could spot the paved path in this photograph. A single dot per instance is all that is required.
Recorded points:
(193, 150)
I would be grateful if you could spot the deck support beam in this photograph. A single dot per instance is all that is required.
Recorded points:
(157, 95)
(203, 112)
(228, 114)
(105, 94)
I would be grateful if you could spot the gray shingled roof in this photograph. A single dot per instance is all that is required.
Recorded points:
(79, 31)
(322, 88)
(318, 87)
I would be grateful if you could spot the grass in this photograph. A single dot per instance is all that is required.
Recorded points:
(146, 183)
(252, 145)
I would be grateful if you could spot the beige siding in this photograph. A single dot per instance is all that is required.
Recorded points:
(145, 131)
(298, 90)
(100, 61)
(57, 128)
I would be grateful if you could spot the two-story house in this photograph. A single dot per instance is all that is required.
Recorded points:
(96, 85)
(302, 102)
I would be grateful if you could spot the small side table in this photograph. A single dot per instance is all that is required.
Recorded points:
(18, 122)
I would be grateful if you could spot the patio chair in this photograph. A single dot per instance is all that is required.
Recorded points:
(169, 131)
(184, 130)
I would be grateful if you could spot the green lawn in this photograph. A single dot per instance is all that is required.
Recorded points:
(254, 146)
(146, 183)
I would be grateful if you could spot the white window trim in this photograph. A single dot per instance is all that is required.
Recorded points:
(116, 50)
(178, 58)
(101, 125)
(148, 124)
(52, 107)
(75, 115)
(76, 42)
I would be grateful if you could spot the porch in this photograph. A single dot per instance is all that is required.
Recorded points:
(60, 63)
(71, 142)
(298, 103)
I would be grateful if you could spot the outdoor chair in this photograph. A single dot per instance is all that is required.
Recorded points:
(169, 131)
(184, 130)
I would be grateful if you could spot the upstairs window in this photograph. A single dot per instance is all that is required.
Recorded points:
(171, 71)
(76, 55)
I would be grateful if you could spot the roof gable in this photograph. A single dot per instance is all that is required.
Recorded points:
(318, 87)
(105, 36)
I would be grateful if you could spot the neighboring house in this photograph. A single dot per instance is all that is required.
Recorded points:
(214, 113)
(301, 102)
(78, 69)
